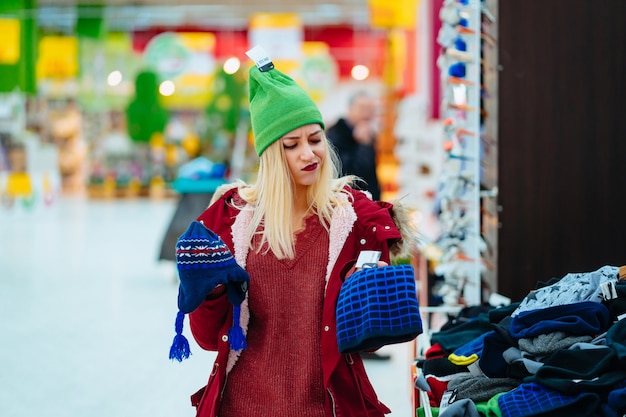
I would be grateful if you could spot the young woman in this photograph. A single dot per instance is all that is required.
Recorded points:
(297, 231)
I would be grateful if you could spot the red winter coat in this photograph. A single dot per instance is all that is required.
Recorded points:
(367, 226)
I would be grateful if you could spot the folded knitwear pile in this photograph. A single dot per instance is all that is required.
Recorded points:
(561, 351)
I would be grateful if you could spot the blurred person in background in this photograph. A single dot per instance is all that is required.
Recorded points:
(354, 138)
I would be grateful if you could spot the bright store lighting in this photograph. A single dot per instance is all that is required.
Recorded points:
(114, 78)
(360, 72)
(231, 65)
(167, 88)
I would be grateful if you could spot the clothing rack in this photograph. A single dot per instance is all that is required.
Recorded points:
(469, 176)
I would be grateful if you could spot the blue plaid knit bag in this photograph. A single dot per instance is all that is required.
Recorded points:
(377, 307)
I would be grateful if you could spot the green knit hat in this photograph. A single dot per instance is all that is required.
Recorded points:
(278, 105)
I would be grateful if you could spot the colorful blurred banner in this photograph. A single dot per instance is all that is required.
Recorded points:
(318, 71)
(108, 68)
(187, 59)
(18, 46)
(58, 57)
(10, 45)
(280, 34)
(401, 14)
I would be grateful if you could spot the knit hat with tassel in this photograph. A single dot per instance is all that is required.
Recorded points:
(204, 262)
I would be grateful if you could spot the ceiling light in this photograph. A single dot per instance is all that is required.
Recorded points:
(360, 72)
(114, 78)
(167, 88)
(232, 65)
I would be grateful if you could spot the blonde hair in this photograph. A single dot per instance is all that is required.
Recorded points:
(273, 195)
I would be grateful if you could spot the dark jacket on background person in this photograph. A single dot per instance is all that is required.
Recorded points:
(356, 159)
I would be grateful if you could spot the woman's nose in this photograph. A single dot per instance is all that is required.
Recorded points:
(307, 153)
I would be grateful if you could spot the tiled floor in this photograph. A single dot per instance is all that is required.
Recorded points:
(87, 314)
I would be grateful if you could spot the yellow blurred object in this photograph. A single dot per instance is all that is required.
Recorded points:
(198, 41)
(19, 185)
(134, 187)
(157, 140)
(108, 186)
(193, 55)
(10, 45)
(157, 187)
(58, 57)
(171, 154)
(191, 92)
(191, 144)
(157, 181)
(275, 20)
(385, 14)
(395, 65)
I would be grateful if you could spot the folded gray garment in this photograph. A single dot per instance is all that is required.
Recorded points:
(545, 344)
(480, 388)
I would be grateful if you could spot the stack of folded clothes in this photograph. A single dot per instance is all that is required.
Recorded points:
(561, 351)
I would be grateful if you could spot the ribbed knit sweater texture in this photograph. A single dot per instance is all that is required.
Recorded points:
(280, 373)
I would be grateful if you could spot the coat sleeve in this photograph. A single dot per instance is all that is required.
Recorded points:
(376, 223)
(219, 216)
(207, 321)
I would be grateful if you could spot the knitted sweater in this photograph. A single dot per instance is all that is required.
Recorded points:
(286, 300)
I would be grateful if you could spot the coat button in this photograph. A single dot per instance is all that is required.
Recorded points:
(374, 229)
(326, 328)
(387, 227)
(363, 241)
(225, 338)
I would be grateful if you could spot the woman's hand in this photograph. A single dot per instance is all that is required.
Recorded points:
(355, 269)
(380, 263)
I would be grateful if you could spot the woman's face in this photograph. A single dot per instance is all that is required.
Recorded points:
(304, 150)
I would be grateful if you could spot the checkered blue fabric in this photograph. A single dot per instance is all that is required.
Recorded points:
(377, 307)
(531, 399)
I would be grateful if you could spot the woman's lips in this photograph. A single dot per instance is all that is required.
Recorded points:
(311, 167)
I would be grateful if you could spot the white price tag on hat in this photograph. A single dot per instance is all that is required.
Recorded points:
(368, 259)
(261, 58)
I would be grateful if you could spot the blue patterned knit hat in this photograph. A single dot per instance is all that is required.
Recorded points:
(204, 262)
(377, 307)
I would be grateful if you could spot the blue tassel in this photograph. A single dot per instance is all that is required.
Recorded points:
(180, 346)
(235, 334)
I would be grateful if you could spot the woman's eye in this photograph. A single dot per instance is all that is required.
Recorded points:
(289, 146)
